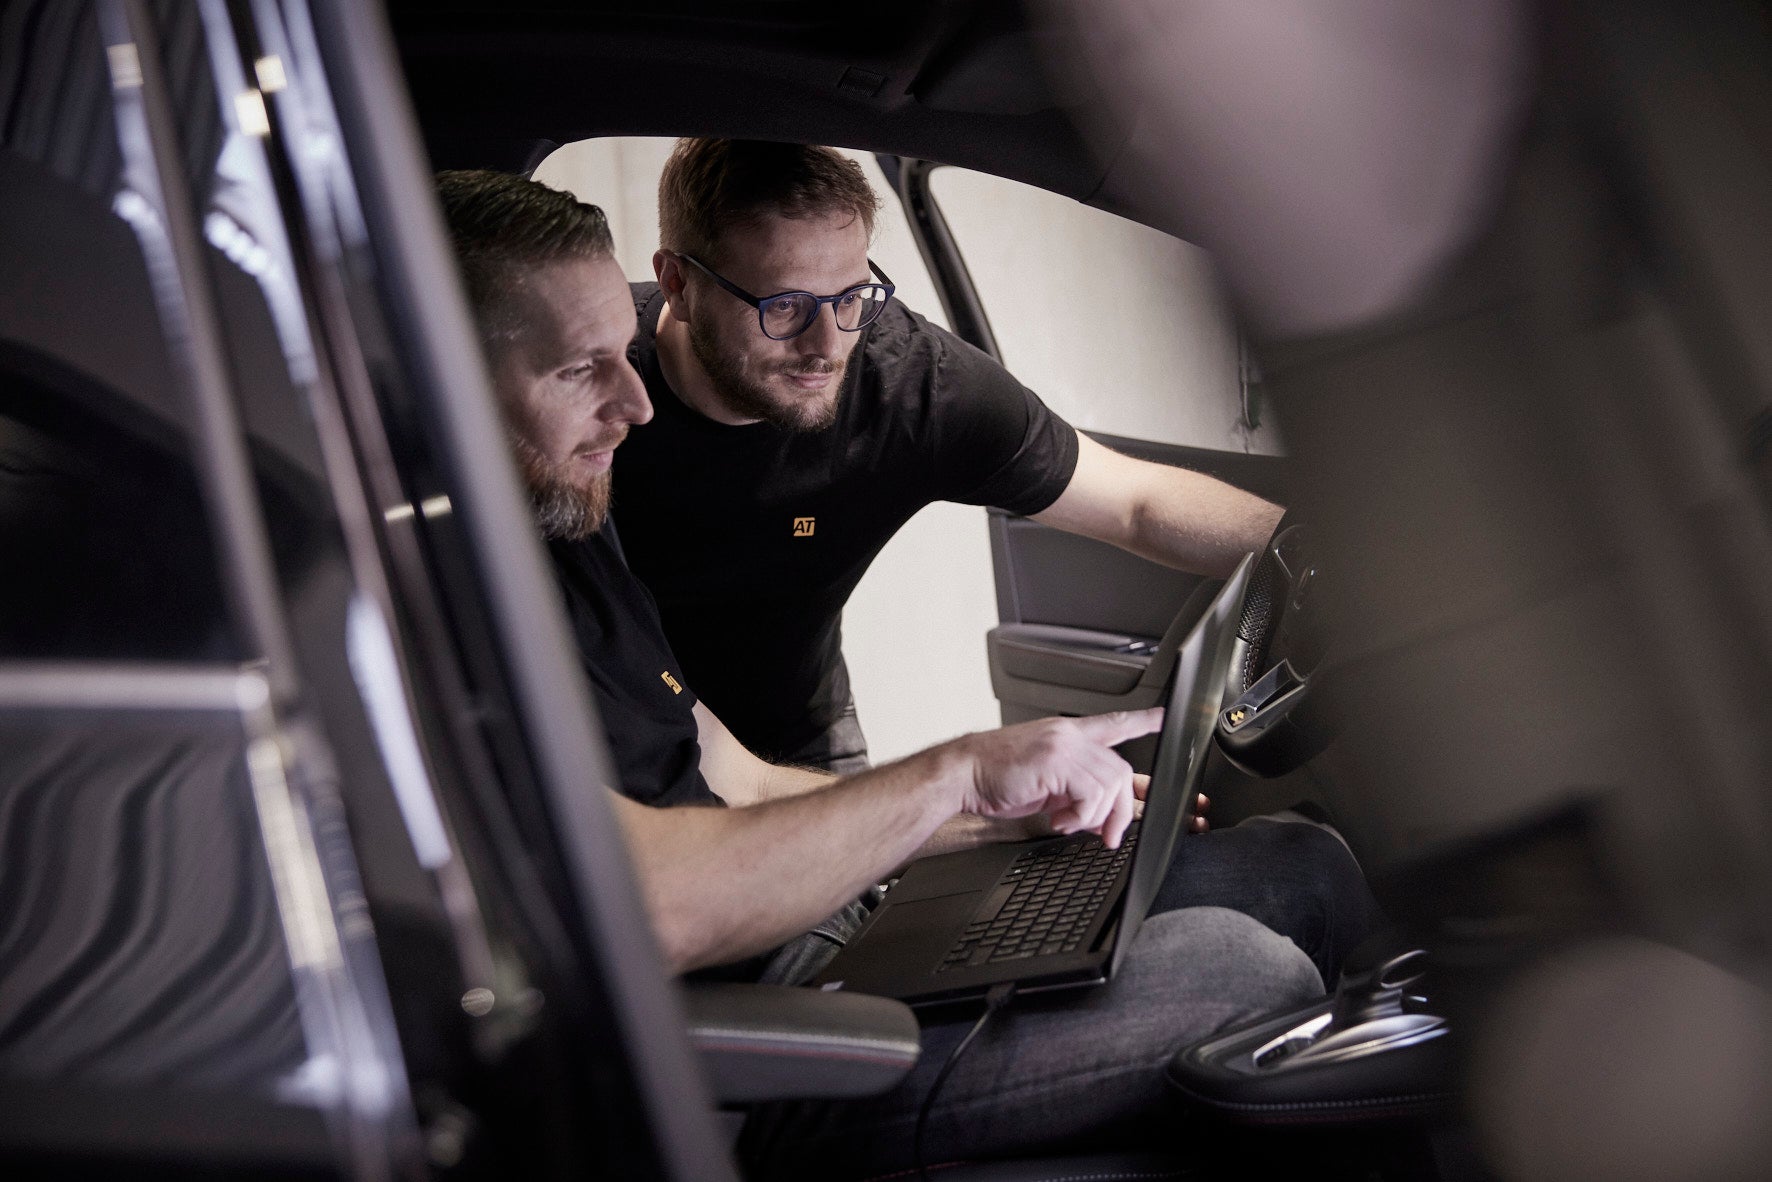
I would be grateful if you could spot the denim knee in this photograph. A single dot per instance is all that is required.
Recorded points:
(1295, 877)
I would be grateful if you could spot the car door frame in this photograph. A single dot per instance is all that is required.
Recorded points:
(1022, 624)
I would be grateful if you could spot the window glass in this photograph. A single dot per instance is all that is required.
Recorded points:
(915, 672)
(1119, 327)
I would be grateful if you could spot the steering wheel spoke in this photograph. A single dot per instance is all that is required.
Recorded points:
(1269, 728)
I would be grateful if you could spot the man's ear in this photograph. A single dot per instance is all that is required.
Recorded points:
(671, 279)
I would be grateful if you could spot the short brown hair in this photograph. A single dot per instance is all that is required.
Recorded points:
(505, 226)
(709, 185)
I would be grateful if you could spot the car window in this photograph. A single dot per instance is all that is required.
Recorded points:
(916, 672)
(1121, 328)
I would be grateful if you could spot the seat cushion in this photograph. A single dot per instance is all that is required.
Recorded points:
(1100, 1167)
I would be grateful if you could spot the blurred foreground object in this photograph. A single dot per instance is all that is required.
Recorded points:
(1512, 272)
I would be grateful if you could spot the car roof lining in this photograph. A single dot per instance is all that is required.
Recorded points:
(957, 83)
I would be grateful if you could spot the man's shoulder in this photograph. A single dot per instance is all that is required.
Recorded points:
(646, 296)
(643, 349)
(912, 357)
(579, 561)
(904, 350)
(595, 568)
(900, 327)
(608, 604)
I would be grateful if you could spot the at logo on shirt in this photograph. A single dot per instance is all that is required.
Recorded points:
(803, 526)
(676, 686)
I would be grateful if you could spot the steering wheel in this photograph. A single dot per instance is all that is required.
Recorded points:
(1269, 726)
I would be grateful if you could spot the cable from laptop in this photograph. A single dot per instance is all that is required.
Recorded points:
(994, 1000)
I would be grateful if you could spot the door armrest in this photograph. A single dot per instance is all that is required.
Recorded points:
(1080, 658)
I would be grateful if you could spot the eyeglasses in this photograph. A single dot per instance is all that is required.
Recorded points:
(786, 314)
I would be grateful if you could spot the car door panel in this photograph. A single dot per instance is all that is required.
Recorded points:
(1086, 626)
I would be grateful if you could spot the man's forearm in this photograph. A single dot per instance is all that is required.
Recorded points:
(967, 831)
(1169, 515)
(1196, 522)
(728, 883)
(780, 782)
(724, 883)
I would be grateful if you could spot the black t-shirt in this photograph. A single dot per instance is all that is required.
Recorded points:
(752, 538)
(642, 696)
(645, 704)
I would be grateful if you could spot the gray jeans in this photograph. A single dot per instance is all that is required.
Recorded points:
(1068, 1071)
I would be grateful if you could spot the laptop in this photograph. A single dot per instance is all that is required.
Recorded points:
(1058, 912)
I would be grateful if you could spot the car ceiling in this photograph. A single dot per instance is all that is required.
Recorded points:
(977, 83)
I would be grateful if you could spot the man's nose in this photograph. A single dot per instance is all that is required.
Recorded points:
(631, 405)
(822, 336)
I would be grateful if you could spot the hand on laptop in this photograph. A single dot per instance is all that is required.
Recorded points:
(1063, 767)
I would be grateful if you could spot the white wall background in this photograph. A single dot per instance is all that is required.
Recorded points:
(1118, 327)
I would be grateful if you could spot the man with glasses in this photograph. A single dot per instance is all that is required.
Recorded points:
(804, 415)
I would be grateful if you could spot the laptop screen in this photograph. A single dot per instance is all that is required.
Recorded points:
(1196, 692)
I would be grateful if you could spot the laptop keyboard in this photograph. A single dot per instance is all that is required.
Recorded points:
(1044, 902)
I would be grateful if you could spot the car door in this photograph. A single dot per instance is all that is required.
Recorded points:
(301, 878)
(1122, 330)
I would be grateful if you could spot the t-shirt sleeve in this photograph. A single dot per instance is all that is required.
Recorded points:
(642, 698)
(995, 442)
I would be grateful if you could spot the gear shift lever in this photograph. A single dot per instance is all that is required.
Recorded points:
(1372, 1051)
(1373, 1011)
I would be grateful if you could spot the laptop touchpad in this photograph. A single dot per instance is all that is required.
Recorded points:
(918, 933)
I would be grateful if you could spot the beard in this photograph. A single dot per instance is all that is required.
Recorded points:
(566, 509)
(746, 393)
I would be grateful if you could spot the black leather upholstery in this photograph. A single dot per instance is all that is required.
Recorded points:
(775, 1042)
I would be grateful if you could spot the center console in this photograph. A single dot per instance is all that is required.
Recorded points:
(1374, 1050)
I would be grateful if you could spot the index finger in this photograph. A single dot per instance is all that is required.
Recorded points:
(1109, 729)
(1113, 828)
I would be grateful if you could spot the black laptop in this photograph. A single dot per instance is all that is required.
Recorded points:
(1058, 912)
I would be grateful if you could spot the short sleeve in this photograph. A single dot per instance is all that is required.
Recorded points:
(996, 443)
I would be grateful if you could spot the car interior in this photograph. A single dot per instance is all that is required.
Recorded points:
(300, 875)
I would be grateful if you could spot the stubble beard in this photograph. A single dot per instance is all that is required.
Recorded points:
(745, 394)
(566, 510)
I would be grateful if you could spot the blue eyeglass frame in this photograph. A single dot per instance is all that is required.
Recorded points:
(819, 301)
